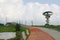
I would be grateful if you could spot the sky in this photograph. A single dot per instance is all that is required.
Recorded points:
(44, 1)
(25, 11)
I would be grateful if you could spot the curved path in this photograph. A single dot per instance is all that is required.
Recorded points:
(52, 32)
(37, 34)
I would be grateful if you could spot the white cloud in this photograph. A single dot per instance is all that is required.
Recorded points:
(12, 9)
(15, 9)
(36, 9)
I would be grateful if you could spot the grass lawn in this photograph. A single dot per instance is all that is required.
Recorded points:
(51, 27)
(12, 28)
(7, 29)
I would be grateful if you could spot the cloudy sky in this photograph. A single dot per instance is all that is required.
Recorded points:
(28, 10)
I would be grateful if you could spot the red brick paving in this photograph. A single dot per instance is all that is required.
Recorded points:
(37, 34)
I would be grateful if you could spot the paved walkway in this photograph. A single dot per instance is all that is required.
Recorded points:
(37, 34)
(52, 32)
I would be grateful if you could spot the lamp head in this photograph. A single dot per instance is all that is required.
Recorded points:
(49, 13)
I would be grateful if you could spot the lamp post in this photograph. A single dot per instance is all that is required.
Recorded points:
(6, 19)
(47, 15)
(25, 23)
(32, 22)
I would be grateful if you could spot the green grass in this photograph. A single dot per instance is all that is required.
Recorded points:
(51, 27)
(54, 27)
(12, 28)
(23, 29)
(7, 29)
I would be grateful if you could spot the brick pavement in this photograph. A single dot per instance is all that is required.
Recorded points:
(37, 34)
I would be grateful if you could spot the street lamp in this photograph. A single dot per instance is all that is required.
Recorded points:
(47, 15)
(32, 22)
